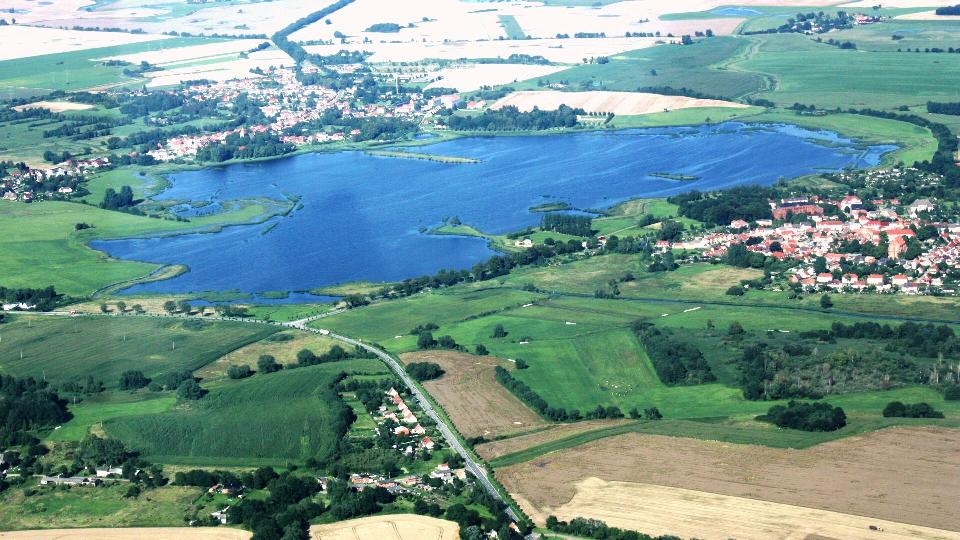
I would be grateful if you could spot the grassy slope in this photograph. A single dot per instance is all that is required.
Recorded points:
(40, 246)
(243, 422)
(68, 349)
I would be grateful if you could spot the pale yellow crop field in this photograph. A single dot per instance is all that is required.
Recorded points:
(146, 533)
(471, 77)
(18, 41)
(620, 103)
(391, 527)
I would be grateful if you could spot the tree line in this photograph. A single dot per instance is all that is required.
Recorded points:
(817, 416)
(44, 299)
(567, 224)
(510, 118)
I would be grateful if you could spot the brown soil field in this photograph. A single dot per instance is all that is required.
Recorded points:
(495, 449)
(900, 474)
(621, 103)
(392, 527)
(471, 396)
(151, 533)
(659, 510)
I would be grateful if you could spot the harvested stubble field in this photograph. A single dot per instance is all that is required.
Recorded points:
(393, 527)
(897, 474)
(697, 514)
(153, 533)
(472, 397)
(598, 101)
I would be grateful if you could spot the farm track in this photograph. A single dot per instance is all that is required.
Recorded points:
(446, 427)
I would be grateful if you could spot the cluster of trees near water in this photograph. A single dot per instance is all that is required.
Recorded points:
(567, 224)
(818, 416)
(676, 362)
(721, 207)
(122, 201)
(248, 146)
(510, 118)
(44, 299)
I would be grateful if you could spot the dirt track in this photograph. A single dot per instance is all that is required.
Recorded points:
(905, 475)
(472, 397)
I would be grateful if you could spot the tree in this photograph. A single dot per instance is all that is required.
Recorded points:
(652, 413)
(499, 332)
(268, 364)
(122, 306)
(826, 302)
(481, 350)
(184, 307)
(169, 306)
(190, 390)
(239, 372)
(424, 371)
(735, 329)
(425, 341)
(137, 308)
(104, 308)
(522, 364)
(133, 380)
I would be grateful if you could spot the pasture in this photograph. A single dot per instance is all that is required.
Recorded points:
(94, 507)
(41, 246)
(244, 423)
(828, 477)
(472, 398)
(89, 414)
(63, 349)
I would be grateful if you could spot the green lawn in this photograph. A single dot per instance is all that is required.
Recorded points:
(40, 246)
(62, 349)
(269, 418)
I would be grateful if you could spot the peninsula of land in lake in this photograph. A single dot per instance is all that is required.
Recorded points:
(362, 217)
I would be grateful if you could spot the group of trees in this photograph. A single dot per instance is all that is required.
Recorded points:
(122, 201)
(27, 404)
(817, 416)
(749, 203)
(44, 299)
(510, 118)
(594, 528)
(567, 224)
(425, 341)
(896, 409)
(424, 371)
(306, 357)
(918, 339)
(760, 374)
(248, 146)
(676, 362)
(952, 108)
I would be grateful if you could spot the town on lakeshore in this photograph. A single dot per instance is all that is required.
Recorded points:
(479, 269)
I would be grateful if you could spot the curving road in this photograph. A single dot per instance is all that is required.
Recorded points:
(445, 429)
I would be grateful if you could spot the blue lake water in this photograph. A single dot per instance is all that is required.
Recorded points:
(735, 12)
(362, 216)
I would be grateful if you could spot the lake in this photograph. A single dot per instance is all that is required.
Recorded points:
(363, 217)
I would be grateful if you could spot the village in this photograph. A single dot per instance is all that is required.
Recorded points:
(898, 247)
(61, 181)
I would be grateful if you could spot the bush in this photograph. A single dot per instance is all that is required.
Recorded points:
(807, 416)
(239, 372)
(190, 390)
(268, 364)
(424, 371)
(896, 409)
(735, 290)
(133, 380)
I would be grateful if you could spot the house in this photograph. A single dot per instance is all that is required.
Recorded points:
(220, 515)
(875, 279)
(427, 443)
(401, 431)
(825, 277)
(850, 202)
(899, 280)
(739, 224)
(105, 472)
(68, 481)
(921, 205)
(418, 430)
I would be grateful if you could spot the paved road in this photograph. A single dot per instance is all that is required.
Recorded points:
(471, 465)
(446, 430)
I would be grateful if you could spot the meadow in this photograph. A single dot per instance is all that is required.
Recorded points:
(64, 349)
(243, 422)
(47, 250)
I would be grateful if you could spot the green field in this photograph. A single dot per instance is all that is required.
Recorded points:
(94, 507)
(264, 419)
(691, 67)
(107, 406)
(76, 70)
(812, 73)
(62, 349)
(40, 246)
